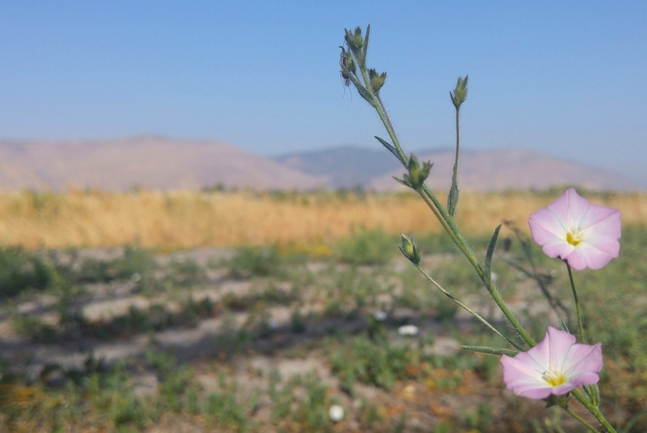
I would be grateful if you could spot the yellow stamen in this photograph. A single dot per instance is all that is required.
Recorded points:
(554, 378)
(573, 240)
(556, 381)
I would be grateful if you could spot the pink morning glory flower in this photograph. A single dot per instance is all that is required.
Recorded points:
(556, 366)
(573, 229)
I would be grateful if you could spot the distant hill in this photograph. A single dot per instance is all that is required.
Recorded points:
(147, 162)
(162, 163)
(486, 170)
(343, 167)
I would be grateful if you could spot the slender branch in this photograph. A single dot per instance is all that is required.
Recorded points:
(578, 307)
(446, 220)
(466, 308)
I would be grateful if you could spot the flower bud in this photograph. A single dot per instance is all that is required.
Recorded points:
(409, 249)
(416, 176)
(414, 169)
(377, 80)
(460, 92)
(354, 40)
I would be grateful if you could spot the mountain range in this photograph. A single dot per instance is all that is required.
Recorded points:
(162, 163)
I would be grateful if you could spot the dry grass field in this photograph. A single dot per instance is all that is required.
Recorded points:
(257, 312)
(180, 220)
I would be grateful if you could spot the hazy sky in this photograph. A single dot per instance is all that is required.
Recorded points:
(566, 78)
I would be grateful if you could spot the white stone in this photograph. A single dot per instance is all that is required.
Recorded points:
(380, 316)
(408, 330)
(336, 413)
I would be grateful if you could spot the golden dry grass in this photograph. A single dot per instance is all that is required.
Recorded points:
(178, 220)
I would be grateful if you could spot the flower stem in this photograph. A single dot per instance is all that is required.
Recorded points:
(447, 221)
(454, 233)
(594, 410)
(580, 419)
(452, 199)
(578, 307)
(455, 173)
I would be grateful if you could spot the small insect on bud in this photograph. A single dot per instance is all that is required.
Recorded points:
(409, 249)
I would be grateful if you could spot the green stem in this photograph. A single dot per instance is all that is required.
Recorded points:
(447, 221)
(466, 308)
(578, 307)
(455, 175)
(456, 235)
(437, 209)
(441, 214)
(454, 187)
(594, 410)
(580, 419)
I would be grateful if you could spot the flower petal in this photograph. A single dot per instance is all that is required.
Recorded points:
(582, 364)
(558, 248)
(603, 221)
(535, 393)
(559, 343)
(577, 259)
(523, 376)
(530, 374)
(588, 256)
(573, 229)
(570, 207)
(563, 388)
(545, 226)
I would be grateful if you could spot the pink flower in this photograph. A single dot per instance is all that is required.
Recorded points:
(556, 366)
(573, 229)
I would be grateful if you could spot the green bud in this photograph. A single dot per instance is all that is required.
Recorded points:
(409, 249)
(377, 80)
(354, 40)
(416, 176)
(460, 92)
(414, 169)
(359, 41)
(424, 173)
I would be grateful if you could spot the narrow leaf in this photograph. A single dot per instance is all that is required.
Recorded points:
(491, 350)
(366, 36)
(403, 182)
(564, 325)
(487, 270)
(596, 394)
(390, 148)
(452, 199)
(365, 94)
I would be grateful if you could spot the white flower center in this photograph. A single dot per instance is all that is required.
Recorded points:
(553, 377)
(574, 236)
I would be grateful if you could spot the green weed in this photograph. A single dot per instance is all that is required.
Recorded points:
(21, 270)
(375, 362)
(368, 247)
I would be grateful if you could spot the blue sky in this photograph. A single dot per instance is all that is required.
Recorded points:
(565, 78)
